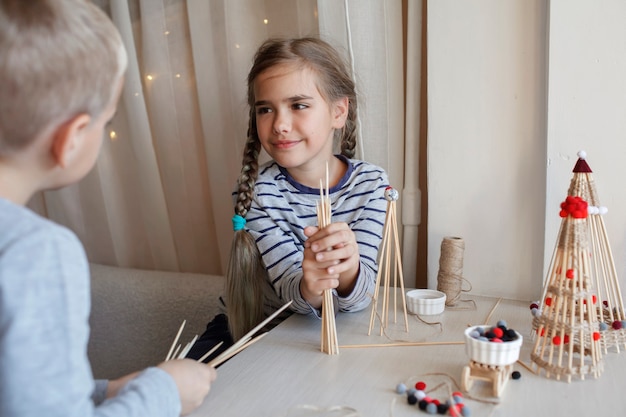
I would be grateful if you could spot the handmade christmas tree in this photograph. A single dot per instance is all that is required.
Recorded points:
(611, 309)
(567, 341)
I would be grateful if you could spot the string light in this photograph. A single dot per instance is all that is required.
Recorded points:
(265, 21)
(167, 32)
(113, 135)
(149, 77)
(177, 75)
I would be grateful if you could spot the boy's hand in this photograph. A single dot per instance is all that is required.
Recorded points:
(331, 260)
(193, 380)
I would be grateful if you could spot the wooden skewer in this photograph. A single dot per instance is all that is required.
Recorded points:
(222, 358)
(213, 349)
(187, 348)
(180, 330)
(244, 340)
(396, 344)
(492, 310)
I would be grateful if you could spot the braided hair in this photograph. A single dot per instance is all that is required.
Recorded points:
(246, 277)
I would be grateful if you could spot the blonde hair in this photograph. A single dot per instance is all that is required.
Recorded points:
(246, 277)
(58, 58)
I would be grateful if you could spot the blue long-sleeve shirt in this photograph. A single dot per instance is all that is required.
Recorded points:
(44, 330)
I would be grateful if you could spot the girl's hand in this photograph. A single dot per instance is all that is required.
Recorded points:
(331, 260)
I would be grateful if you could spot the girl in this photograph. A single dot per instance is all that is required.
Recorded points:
(302, 99)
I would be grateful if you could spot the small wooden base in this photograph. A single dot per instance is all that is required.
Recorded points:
(497, 375)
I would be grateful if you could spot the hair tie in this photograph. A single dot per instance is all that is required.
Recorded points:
(238, 222)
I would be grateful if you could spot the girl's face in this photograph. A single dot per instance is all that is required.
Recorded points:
(294, 122)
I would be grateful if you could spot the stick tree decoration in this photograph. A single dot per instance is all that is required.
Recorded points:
(568, 339)
(611, 309)
(390, 231)
(329, 343)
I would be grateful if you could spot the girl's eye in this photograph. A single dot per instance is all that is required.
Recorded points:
(299, 106)
(263, 110)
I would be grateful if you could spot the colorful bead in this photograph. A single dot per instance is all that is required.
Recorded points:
(421, 386)
(400, 388)
(516, 375)
(431, 408)
(569, 273)
(617, 325)
(596, 336)
(411, 399)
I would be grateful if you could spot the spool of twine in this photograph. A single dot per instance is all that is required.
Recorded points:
(450, 276)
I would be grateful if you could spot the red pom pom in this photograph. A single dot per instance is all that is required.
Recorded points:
(498, 332)
(548, 301)
(534, 305)
(496, 340)
(596, 336)
(543, 331)
(594, 299)
(420, 386)
(566, 339)
(617, 325)
(569, 273)
(563, 213)
(556, 340)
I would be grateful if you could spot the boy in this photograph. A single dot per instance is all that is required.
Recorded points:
(61, 74)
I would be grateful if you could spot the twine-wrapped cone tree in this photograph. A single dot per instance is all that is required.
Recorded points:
(610, 310)
(567, 342)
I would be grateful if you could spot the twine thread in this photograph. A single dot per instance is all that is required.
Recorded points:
(450, 277)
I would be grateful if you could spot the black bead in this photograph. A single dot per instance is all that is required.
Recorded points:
(516, 375)
(442, 408)
(422, 405)
(412, 399)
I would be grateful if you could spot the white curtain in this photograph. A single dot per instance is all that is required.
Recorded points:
(160, 195)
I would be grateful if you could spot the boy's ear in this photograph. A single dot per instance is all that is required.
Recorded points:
(340, 112)
(67, 139)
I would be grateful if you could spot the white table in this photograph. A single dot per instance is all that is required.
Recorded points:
(286, 370)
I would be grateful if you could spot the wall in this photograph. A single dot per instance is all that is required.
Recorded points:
(487, 85)
(516, 89)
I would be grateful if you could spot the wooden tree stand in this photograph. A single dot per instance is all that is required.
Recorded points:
(390, 232)
(497, 375)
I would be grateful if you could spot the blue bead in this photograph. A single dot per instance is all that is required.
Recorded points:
(457, 399)
(431, 408)
(465, 411)
(474, 334)
(400, 388)
(623, 324)
(502, 323)
(411, 391)
(603, 326)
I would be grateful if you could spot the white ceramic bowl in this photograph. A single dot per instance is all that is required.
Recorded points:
(490, 353)
(425, 302)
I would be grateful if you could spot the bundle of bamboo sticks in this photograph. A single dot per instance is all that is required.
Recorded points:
(237, 347)
(329, 343)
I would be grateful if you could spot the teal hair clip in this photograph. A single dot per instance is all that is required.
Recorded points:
(238, 222)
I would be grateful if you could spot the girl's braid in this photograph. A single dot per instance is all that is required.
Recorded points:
(249, 171)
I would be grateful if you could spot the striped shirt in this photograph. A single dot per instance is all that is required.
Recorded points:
(282, 208)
